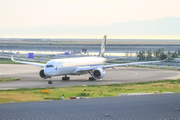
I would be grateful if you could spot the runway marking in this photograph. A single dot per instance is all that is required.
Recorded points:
(175, 77)
(135, 73)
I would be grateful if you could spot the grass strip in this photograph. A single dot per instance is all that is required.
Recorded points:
(7, 61)
(157, 67)
(8, 79)
(92, 91)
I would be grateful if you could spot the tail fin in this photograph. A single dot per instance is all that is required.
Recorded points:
(102, 50)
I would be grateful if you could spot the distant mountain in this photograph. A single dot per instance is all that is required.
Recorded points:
(169, 26)
(164, 26)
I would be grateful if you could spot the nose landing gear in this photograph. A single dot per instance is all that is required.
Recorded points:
(50, 81)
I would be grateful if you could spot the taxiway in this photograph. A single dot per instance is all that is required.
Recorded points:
(29, 76)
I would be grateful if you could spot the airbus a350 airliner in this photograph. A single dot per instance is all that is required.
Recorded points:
(78, 66)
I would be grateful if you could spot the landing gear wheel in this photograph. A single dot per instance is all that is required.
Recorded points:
(91, 79)
(50, 82)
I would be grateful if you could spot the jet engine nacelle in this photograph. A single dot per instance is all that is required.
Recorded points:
(98, 73)
(42, 75)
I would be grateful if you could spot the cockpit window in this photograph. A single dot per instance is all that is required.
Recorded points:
(49, 66)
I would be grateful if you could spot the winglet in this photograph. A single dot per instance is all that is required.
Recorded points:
(12, 58)
(165, 59)
(102, 50)
(30, 63)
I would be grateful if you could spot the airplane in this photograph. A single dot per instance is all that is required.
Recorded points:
(95, 66)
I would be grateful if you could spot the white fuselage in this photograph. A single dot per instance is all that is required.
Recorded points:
(69, 66)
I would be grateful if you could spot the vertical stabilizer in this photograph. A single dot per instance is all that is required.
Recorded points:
(102, 50)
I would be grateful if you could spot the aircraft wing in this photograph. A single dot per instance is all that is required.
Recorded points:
(29, 63)
(88, 68)
(136, 63)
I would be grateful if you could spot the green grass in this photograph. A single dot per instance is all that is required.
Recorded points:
(92, 91)
(8, 79)
(157, 67)
(7, 61)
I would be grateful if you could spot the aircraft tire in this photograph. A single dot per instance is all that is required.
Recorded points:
(91, 79)
(50, 82)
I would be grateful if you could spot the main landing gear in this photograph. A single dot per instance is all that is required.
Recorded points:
(91, 78)
(65, 78)
(50, 81)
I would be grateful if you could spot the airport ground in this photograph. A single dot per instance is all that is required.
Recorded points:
(29, 76)
(161, 106)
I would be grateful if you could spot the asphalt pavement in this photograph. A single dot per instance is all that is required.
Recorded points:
(146, 107)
